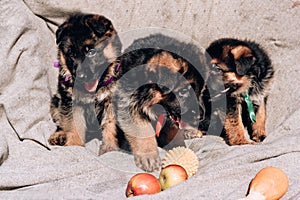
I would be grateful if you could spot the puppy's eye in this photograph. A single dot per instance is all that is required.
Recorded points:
(91, 53)
(184, 92)
(215, 67)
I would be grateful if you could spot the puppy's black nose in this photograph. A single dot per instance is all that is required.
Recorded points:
(81, 75)
(84, 74)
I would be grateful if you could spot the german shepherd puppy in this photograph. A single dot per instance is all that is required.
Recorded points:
(88, 48)
(97, 83)
(246, 71)
(159, 70)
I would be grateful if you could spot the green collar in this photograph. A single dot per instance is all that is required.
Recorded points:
(250, 107)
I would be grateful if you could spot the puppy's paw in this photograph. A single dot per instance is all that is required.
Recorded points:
(236, 136)
(58, 138)
(259, 135)
(148, 161)
(104, 148)
(63, 138)
(191, 133)
(240, 141)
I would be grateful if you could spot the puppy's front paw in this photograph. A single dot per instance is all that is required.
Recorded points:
(191, 133)
(148, 161)
(58, 138)
(104, 148)
(63, 138)
(239, 141)
(259, 135)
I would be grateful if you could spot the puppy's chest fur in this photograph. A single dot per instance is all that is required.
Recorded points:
(93, 104)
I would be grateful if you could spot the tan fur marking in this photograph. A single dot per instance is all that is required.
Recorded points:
(79, 122)
(259, 127)
(88, 42)
(226, 50)
(67, 25)
(109, 33)
(167, 60)
(223, 66)
(75, 127)
(157, 97)
(240, 51)
(243, 82)
(235, 129)
(215, 60)
(109, 134)
(73, 139)
(62, 59)
(65, 70)
(109, 52)
(232, 77)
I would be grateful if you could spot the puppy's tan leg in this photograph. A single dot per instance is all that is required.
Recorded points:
(109, 132)
(133, 115)
(73, 128)
(259, 128)
(234, 128)
(144, 147)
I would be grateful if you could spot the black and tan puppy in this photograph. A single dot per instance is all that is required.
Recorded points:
(97, 83)
(159, 70)
(88, 47)
(246, 72)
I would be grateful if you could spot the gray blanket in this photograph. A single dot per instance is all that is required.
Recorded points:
(31, 169)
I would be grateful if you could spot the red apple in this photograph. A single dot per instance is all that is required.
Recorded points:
(142, 183)
(172, 175)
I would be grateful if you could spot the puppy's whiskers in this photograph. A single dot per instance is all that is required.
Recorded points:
(219, 94)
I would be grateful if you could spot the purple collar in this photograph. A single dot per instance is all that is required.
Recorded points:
(111, 79)
(57, 65)
(104, 83)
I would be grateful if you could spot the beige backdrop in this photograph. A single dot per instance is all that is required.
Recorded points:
(27, 81)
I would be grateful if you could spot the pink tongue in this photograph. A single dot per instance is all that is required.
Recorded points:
(159, 124)
(91, 87)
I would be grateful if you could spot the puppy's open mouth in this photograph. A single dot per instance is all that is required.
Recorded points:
(161, 120)
(91, 86)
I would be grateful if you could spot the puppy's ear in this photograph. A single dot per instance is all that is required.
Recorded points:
(59, 33)
(243, 59)
(100, 25)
